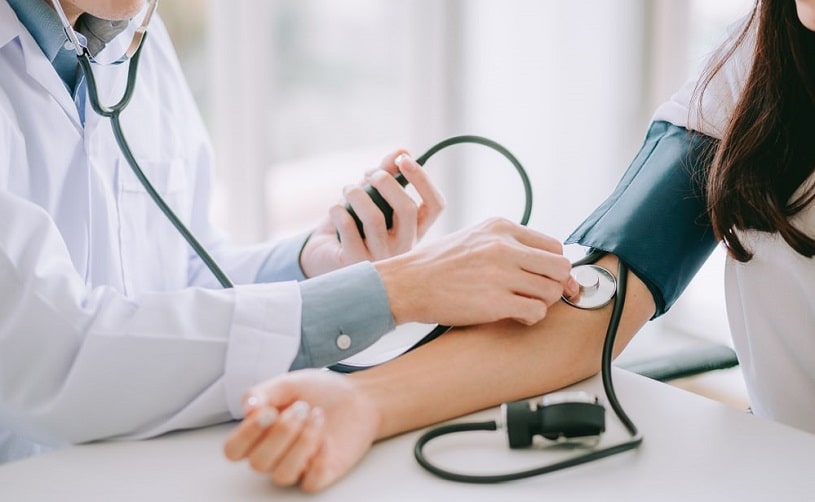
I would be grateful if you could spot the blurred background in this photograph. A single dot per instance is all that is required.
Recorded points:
(302, 96)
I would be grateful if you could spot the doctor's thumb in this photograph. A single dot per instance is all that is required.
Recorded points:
(571, 288)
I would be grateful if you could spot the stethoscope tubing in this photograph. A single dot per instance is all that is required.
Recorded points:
(113, 113)
(441, 329)
(608, 387)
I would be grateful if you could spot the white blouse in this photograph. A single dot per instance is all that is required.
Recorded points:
(771, 298)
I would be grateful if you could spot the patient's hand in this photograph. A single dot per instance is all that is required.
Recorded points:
(307, 427)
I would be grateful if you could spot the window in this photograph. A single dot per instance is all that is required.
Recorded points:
(304, 95)
(301, 96)
(307, 96)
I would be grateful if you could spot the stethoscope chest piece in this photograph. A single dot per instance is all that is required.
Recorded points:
(597, 287)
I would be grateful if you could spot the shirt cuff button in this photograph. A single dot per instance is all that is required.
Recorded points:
(343, 342)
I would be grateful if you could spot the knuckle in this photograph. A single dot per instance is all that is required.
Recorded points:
(500, 248)
(554, 293)
(346, 224)
(441, 203)
(286, 427)
(376, 229)
(495, 223)
(381, 180)
(561, 267)
(540, 312)
(567, 268)
(551, 298)
(532, 312)
(409, 210)
(341, 217)
(354, 191)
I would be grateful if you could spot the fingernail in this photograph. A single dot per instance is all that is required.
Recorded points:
(317, 416)
(267, 417)
(574, 287)
(253, 402)
(400, 159)
(299, 410)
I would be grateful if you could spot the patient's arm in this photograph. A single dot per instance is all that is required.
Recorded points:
(463, 371)
(481, 366)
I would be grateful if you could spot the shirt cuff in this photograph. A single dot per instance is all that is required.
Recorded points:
(344, 312)
(264, 338)
(283, 261)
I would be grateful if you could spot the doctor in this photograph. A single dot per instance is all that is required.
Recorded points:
(111, 326)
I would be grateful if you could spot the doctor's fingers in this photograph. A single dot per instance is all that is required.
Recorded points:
(509, 293)
(551, 266)
(279, 437)
(432, 200)
(381, 242)
(534, 286)
(522, 234)
(388, 163)
(353, 246)
(527, 311)
(403, 234)
(372, 218)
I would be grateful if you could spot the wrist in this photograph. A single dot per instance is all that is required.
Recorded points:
(372, 390)
(399, 287)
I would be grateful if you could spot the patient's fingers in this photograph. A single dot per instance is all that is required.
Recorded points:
(295, 461)
(247, 434)
(279, 437)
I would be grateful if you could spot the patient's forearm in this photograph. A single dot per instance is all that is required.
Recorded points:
(481, 366)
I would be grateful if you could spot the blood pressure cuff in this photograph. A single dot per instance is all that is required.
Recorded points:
(656, 220)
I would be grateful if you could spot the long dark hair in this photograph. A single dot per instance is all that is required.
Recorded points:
(768, 148)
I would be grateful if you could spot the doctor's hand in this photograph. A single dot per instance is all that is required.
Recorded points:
(497, 270)
(324, 252)
(306, 428)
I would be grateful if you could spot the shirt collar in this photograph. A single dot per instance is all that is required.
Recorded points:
(40, 19)
(44, 25)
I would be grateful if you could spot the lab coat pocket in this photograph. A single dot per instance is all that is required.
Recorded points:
(154, 254)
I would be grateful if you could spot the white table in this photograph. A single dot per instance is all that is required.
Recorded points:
(694, 449)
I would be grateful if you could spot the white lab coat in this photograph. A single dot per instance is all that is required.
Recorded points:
(105, 327)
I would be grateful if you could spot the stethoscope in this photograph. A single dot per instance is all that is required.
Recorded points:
(561, 417)
(114, 111)
(576, 418)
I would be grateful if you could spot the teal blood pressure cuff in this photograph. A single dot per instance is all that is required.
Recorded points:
(656, 221)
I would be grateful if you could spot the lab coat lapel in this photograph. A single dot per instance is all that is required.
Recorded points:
(37, 65)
